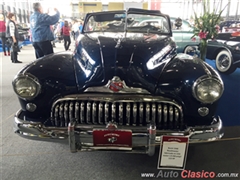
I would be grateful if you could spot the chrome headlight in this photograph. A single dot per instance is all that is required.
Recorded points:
(26, 87)
(208, 89)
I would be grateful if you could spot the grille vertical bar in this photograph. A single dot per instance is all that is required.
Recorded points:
(100, 113)
(94, 113)
(61, 114)
(159, 114)
(165, 115)
(128, 114)
(88, 118)
(120, 113)
(82, 113)
(153, 113)
(106, 114)
(66, 115)
(77, 108)
(114, 112)
(148, 113)
(134, 114)
(56, 115)
(141, 114)
(71, 111)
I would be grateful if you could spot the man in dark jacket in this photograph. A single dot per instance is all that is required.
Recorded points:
(13, 36)
(42, 34)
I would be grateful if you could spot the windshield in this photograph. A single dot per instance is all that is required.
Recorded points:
(116, 22)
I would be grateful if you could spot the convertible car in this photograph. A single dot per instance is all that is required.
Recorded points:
(122, 88)
(225, 49)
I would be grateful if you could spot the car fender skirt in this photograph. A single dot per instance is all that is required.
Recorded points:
(80, 137)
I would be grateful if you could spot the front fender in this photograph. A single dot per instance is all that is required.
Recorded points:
(177, 81)
(57, 78)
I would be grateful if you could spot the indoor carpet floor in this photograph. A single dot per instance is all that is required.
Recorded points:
(229, 104)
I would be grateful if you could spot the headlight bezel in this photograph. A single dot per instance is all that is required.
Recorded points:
(31, 78)
(207, 78)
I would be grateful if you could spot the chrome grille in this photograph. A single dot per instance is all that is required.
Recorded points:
(166, 114)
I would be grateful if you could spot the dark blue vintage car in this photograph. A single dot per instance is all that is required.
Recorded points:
(225, 49)
(122, 88)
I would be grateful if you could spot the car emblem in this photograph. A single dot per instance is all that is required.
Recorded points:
(112, 139)
(116, 84)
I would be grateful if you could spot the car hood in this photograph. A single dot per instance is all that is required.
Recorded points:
(101, 56)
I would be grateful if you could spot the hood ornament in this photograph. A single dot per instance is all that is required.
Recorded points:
(116, 85)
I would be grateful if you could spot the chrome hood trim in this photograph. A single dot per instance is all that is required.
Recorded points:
(116, 85)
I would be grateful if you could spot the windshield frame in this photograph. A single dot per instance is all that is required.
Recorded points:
(130, 11)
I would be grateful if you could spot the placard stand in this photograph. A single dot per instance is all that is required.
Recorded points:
(173, 152)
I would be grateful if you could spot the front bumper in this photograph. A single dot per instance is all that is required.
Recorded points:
(80, 137)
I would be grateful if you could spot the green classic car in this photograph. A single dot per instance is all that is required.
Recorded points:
(182, 33)
(183, 36)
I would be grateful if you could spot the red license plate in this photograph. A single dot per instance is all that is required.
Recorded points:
(112, 139)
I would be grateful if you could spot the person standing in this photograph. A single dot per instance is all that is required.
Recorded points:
(13, 36)
(80, 27)
(3, 36)
(76, 30)
(42, 34)
(66, 35)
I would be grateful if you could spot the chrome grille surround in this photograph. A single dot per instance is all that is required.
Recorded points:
(127, 110)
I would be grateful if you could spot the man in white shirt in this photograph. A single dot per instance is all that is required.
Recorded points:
(76, 30)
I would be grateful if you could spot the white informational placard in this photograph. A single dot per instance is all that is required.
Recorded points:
(173, 152)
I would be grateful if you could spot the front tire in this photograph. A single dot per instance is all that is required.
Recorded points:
(224, 62)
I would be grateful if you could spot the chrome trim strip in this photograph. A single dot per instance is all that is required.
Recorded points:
(236, 62)
(112, 148)
(117, 98)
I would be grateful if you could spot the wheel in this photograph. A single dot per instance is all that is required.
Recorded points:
(224, 62)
